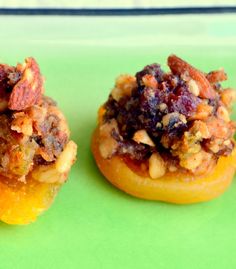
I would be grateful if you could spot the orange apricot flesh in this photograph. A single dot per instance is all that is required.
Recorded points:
(175, 187)
(23, 202)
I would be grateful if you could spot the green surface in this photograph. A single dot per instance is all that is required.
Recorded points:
(91, 224)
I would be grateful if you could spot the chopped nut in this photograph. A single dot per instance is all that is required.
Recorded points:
(157, 166)
(48, 174)
(192, 161)
(123, 87)
(193, 87)
(22, 124)
(172, 168)
(203, 112)
(182, 118)
(227, 142)
(163, 106)
(66, 158)
(142, 136)
(222, 113)
(168, 117)
(62, 124)
(228, 96)
(218, 128)
(214, 145)
(108, 144)
(189, 144)
(150, 81)
(216, 76)
(200, 129)
(207, 163)
(158, 125)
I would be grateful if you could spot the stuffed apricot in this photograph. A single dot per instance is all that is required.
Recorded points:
(168, 135)
(35, 149)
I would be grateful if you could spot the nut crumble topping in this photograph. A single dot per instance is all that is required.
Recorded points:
(178, 120)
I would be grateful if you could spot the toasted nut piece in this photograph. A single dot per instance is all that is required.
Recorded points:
(192, 161)
(218, 128)
(22, 124)
(123, 87)
(193, 87)
(28, 90)
(187, 145)
(222, 113)
(200, 127)
(66, 158)
(216, 76)
(227, 142)
(48, 174)
(214, 146)
(162, 107)
(172, 168)
(108, 144)
(166, 119)
(150, 81)
(63, 126)
(157, 167)
(228, 96)
(179, 67)
(208, 162)
(203, 112)
(142, 136)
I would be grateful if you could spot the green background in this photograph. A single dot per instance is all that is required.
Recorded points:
(92, 224)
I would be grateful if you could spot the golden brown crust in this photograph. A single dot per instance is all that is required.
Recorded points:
(175, 187)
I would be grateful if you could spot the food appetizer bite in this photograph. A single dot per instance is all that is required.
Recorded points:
(36, 153)
(168, 136)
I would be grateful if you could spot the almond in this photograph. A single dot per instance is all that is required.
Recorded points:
(28, 90)
(179, 67)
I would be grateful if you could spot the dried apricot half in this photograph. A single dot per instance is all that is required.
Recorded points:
(170, 136)
(36, 153)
